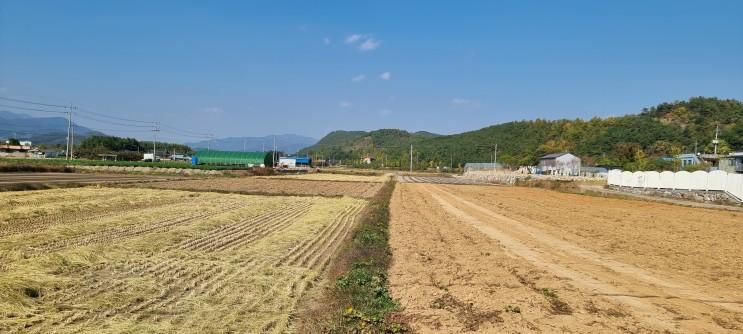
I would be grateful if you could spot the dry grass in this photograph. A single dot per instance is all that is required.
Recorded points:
(138, 260)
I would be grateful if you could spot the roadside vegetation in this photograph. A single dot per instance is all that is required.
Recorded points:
(357, 299)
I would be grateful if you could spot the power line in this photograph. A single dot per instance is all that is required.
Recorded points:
(185, 131)
(32, 109)
(185, 135)
(32, 102)
(112, 123)
(106, 119)
(86, 111)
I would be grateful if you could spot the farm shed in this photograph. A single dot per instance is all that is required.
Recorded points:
(231, 158)
(294, 162)
(562, 163)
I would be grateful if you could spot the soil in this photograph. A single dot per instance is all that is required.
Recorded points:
(274, 186)
(510, 259)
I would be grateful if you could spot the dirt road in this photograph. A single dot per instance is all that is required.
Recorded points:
(509, 259)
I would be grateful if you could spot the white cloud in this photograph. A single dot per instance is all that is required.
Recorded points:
(212, 110)
(326, 40)
(465, 102)
(353, 38)
(345, 104)
(370, 44)
(385, 112)
(385, 75)
(359, 78)
(367, 42)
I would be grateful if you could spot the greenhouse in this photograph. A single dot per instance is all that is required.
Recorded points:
(231, 158)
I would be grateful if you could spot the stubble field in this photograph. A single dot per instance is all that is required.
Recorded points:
(110, 260)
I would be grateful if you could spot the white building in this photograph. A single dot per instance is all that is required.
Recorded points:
(559, 164)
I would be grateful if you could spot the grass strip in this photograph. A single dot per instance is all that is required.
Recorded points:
(357, 300)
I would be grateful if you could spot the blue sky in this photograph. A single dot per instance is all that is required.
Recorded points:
(263, 67)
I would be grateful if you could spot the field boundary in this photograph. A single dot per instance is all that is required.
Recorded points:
(357, 298)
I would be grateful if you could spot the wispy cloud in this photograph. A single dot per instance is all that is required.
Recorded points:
(366, 42)
(386, 76)
(326, 41)
(303, 28)
(370, 44)
(359, 78)
(345, 104)
(212, 110)
(457, 101)
(353, 38)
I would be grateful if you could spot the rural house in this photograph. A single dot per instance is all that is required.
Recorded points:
(559, 164)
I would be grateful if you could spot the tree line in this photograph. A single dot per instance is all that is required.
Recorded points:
(642, 141)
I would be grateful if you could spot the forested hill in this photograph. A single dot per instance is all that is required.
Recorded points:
(361, 140)
(627, 141)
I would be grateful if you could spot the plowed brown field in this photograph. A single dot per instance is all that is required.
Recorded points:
(274, 186)
(509, 259)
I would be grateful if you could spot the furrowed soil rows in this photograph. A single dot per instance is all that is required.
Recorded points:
(332, 177)
(204, 262)
(534, 260)
(274, 186)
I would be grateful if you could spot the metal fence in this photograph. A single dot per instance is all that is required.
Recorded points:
(699, 180)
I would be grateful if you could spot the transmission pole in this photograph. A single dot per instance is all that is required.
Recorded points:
(154, 142)
(72, 138)
(411, 158)
(495, 156)
(67, 141)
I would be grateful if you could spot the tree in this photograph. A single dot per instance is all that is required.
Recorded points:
(13, 141)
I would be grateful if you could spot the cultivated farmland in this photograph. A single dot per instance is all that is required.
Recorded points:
(274, 186)
(509, 259)
(333, 177)
(114, 260)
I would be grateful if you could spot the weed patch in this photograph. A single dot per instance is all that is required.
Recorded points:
(359, 300)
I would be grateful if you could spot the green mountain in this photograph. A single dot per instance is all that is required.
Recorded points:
(631, 141)
(347, 143)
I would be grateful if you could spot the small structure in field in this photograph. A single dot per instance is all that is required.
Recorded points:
(295, 162)
(562, 163)
(735, 162)
(481, 166)
(231, 158)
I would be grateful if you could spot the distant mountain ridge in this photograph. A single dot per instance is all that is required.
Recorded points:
(633, 141)
(355, 140)
(288, 143)
(40, 130)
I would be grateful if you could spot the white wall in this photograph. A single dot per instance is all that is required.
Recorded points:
(699, 180)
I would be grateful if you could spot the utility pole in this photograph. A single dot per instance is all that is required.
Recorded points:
(244, 140)
(716, 141)
(154, 142)
(495, 156)
(411, 158)
(72, 135)
(69, 125)
(273, 153)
